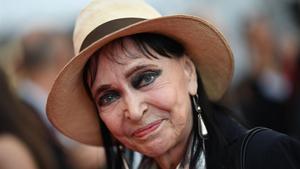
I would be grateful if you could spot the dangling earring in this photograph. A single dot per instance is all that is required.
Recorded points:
(202, 131)
(124, 161)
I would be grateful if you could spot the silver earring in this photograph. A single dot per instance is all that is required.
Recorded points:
(125, 163)
(201, 126)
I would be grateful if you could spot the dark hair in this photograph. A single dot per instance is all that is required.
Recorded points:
(18, 120)
(169, 48)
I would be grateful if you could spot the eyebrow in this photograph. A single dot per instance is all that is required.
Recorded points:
(105, 87)
(102, 88)
(137, 68)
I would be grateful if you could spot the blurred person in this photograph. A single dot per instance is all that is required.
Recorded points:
(291, 62)
(146, 83)
(291, 66)
(295, 117)
(10, 55)
(25, 142)
(263, 95)
(45, 52)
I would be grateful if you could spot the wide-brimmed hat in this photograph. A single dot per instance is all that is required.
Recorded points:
(69, 106)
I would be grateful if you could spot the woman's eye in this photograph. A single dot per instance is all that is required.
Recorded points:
(108, 97)
(145, 78)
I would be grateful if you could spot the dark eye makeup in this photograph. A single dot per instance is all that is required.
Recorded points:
(145, 78)
(108, 97)
(139, 80)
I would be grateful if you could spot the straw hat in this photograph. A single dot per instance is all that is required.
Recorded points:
(69, 107)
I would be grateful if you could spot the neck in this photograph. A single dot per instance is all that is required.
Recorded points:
(174, 156)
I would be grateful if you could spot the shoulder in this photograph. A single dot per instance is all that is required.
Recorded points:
(271, 149)
(15, 154)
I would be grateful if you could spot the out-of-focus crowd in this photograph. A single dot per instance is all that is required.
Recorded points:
(29, 65)
(268, 95)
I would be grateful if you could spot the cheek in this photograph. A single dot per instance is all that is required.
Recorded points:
(163, 98)
(172, 98)
(169, 94)
(113, 123)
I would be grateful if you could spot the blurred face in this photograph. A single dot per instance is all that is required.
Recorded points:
(145, 102)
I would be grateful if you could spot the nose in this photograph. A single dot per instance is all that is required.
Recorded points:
(135, 107)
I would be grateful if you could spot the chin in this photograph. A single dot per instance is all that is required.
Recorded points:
(156, 148)
(154, 152)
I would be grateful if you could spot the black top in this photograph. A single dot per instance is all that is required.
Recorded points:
(267, 149)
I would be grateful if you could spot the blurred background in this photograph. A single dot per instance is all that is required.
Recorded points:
(36, 41)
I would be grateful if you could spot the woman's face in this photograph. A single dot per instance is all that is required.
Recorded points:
(145, 102)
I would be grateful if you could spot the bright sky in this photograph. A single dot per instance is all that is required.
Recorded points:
(17, 14)
(21, 15)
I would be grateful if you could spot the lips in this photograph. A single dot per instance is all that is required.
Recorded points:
(141, 132)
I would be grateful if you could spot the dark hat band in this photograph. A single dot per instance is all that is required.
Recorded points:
(107, 28)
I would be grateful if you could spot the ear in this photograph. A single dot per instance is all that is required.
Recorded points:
(191, 75)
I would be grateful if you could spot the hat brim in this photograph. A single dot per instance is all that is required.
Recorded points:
(71, 110)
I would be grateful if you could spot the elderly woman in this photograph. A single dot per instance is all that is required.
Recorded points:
(142, 84)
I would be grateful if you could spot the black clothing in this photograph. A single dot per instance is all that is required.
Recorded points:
(260, 109)
(268, 149)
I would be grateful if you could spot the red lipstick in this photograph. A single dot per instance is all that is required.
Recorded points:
(147, 129)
